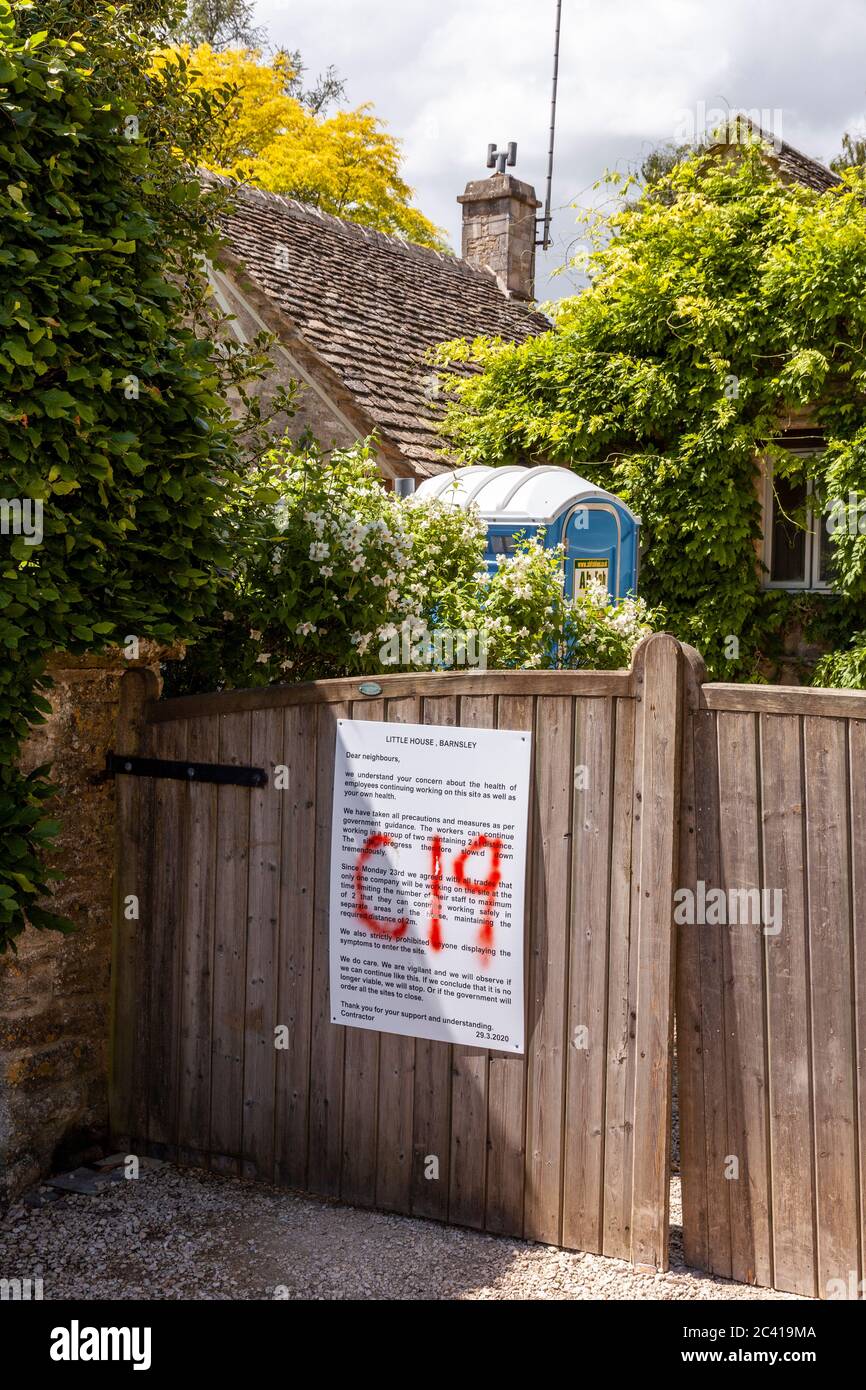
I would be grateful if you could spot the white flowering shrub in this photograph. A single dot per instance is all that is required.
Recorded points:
(332, 575)
(326, 567)
(530, 623)
(520, 607)
(601, 635)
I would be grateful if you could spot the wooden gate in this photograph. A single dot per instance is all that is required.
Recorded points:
(771, 1018)
(569, 1144)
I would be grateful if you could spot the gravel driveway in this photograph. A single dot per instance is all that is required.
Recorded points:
(182, 1234)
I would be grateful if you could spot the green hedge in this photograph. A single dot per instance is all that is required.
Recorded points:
(112, 413)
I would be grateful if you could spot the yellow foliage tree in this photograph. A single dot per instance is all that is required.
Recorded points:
(346, 164)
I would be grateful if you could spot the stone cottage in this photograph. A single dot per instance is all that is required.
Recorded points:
(355, 312)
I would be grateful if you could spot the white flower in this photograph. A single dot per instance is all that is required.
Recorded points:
(327, 571)
(263, 657)
(228, 617)
(286, 665)
(255, 636)
(358, 563)
(319, 550)
(304, 629)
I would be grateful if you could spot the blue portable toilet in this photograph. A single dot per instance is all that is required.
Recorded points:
(600, 534)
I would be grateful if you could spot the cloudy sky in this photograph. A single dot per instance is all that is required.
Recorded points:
(450, 75)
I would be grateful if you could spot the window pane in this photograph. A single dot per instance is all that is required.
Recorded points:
(826, 556)
(788, 539)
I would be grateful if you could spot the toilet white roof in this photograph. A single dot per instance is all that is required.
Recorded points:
(514, 493)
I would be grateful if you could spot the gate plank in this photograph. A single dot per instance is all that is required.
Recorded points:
(197, 965)
(165, 1002)
(294, 1002)
(583, 1177)
(327, 1042)
(506, 1074)
(146, 873)
(396, 1070)
(713, 1039)
(832, 1003)
(658, 776)
(857, 780)
(229, 965)
(743, 956)
(360, 1105)
(431, 1117)
(689, 1021)
(789, 1043)
(549, 968)
(622, 986)
(263, 904)
(468, 1173)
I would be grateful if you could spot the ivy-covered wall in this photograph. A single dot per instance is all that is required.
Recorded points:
(720, 301)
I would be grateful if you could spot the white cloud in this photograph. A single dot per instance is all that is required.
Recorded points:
(449, 76)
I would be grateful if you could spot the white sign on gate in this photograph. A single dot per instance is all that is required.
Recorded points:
(428, 858)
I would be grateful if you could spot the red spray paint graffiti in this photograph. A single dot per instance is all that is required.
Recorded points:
(486, 887)
(393, 929)
(436, 894)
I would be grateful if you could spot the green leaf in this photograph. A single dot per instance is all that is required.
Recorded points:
(18, 352)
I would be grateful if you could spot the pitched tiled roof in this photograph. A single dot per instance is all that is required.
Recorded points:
(802, 169)
(791, 164)
(371, 306)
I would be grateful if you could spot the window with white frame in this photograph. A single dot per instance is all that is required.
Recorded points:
(797, 551)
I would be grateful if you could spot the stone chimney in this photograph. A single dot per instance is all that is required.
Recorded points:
(499, 231)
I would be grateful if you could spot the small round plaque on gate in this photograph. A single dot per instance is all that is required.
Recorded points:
(370, 688)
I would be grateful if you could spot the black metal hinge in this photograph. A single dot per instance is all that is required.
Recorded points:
(226, 774)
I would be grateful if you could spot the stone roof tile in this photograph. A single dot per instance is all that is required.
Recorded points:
(372, 306)
(790, 163)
